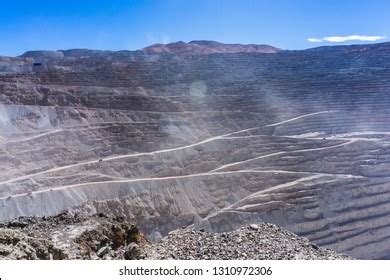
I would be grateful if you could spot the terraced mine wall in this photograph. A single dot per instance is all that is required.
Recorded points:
(296, 138)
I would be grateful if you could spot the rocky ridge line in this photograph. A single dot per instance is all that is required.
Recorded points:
(208, 47)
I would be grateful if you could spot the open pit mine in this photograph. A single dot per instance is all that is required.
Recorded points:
(203, 134)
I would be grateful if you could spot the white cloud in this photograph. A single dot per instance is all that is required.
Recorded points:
(341, 39)
(314, 40)
(338, 39)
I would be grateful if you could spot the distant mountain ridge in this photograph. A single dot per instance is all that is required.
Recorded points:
(177, 48)
(208, 47)
(201, 47)
(193, 47)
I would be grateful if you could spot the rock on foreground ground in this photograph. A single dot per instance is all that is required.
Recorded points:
(69, 236)
(258, 241)
(73, 236)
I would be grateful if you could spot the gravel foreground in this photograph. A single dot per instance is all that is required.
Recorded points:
(73, 236)
(258, 241)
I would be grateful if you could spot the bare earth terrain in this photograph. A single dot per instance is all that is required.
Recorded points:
(104, 237)
(205, 135)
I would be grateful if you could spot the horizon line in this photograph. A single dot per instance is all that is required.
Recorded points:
(180, 41)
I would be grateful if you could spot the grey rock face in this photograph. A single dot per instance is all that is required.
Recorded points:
(44, 56)
(296, 138)
(71, 236)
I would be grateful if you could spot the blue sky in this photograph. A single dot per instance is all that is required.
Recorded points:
(127, 24)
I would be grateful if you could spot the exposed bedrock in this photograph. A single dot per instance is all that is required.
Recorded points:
(300, 139)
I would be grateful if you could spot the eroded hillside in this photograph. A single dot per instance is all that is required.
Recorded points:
(296, 138)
